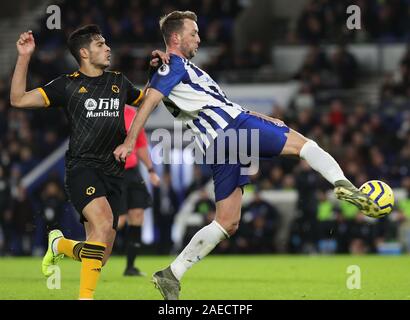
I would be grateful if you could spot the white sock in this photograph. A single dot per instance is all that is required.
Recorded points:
(322, 162)
(202, 243)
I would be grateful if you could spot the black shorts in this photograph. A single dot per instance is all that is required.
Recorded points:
(82, 185)
(136, 195)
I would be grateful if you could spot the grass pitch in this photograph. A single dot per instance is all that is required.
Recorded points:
(250, 277)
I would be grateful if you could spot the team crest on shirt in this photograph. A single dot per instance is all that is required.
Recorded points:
(163, 70)
(115, 88)
(90, 191)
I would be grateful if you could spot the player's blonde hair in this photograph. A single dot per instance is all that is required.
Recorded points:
(173, 22)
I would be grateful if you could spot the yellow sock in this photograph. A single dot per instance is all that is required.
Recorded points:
(91, 256)
(70, 248)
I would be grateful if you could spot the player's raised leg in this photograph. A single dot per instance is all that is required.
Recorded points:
(326, 165)
(58, 247)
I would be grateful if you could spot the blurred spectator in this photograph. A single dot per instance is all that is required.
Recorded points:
(362, 236)
(165, 207)
(325, 21)
(302, 231)
(397, 83)
(342, 232)
(344, 65)
(310, 27)
(258, 228)
(304, 98)
(22, 222)
(52, 204)
(315, 63)
(199, 179)
(326, 225)
(5, 212)
(8, 232)
(4, 191)
(3, 117)
(306, 182)
(320, 74)
(27, 160)
(204, 209)
(50, 142)
(404, 217)
(276, 175)
(222, 60)
(204, 205)
(336, 114)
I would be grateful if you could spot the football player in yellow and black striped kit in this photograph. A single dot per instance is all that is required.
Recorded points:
(93, 100)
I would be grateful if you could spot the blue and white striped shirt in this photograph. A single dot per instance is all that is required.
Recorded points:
(193, 97)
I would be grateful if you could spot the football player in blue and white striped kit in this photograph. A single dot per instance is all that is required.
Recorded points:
(191, 95)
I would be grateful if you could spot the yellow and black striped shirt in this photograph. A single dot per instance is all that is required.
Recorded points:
(95, 109)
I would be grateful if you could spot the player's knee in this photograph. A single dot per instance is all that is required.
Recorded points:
(294, 143)
(228, 220)
(230, 227)
(311, 143)
(104, 228)
(233, 228)
(121, 222)
(136, 217)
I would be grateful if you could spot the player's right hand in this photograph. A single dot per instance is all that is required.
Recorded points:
(25, 44)
(122, 152)
(155, 179)
(159, 57)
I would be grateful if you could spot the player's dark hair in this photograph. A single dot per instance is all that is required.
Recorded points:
(173, 22)
(81, 38)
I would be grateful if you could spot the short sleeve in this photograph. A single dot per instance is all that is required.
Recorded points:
(134, 95)
(168, 76)
(54, 92)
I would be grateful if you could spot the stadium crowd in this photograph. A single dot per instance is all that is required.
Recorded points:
(367, 144)
(133, 24)
(325, 21)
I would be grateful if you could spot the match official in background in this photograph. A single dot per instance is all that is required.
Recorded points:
(136, 196)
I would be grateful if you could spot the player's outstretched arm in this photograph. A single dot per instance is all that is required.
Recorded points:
(151, 100)
(19, 98)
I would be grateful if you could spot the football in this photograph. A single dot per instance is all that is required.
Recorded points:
(381, 194)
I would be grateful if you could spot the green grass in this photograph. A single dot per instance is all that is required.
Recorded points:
(263, 277)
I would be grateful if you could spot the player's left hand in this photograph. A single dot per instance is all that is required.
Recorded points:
(26, 44)
(155, 179)
(122, 152)
(158, 56)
